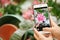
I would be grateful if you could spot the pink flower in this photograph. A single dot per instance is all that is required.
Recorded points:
(40, 17)
(36, 2)
(0, 14)
(28, 14)
(5, 2)
(25, 16)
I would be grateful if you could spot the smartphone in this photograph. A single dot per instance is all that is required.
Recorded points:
(41, 16)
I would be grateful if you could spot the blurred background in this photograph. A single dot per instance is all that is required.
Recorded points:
(8, 6)
(20, 13)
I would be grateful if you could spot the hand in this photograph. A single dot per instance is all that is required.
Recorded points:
(55, 30)
(39, 36)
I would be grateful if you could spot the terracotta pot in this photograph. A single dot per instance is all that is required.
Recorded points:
(6, 31)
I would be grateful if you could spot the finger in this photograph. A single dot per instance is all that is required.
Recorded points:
(36, 37)
(53, 24)
(47, 29)
(37, 33)
(50, 37)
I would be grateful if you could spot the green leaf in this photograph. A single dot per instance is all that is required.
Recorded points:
(12, 9)
(20, 1)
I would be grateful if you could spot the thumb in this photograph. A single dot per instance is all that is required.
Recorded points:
(37, 33)
(53, 24)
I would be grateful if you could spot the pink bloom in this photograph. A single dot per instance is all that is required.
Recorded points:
(5, 2)
(0, 14)
(25, 16)
(28, 14)
(36, 2)
(40, 17)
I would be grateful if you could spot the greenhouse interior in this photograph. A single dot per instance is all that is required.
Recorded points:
(26, 19)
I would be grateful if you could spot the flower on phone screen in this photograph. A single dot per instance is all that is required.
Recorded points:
(40, 17)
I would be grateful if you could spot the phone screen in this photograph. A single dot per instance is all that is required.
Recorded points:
(41, 16)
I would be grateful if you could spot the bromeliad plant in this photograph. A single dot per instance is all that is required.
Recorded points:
(28, 35)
